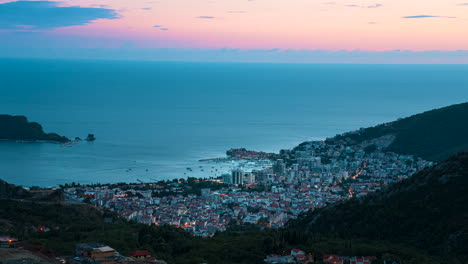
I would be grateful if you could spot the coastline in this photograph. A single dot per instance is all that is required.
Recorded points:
(116, 172)
(33, 141)
(97, 163)
(194, 168)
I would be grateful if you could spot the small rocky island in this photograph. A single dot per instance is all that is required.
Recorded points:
(90, 137)
(19, 128)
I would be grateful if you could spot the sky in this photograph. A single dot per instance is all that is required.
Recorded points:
(348, 31)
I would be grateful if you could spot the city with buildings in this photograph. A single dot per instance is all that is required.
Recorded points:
(310, 176)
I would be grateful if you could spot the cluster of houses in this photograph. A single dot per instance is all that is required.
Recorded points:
(320, 174)
(93, 253)
(100, 253)
(298, 256)
(213, 211)
(321, 163)
(244, 154)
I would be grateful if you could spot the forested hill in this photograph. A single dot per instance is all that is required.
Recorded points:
(18, 128)
(10, 191)
(428, 211)
(432, 135)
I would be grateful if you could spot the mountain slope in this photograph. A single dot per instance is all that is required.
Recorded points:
(18, 128)
(432, 135)
(10, 191)
(428, 211)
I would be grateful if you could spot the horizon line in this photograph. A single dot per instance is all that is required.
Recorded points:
(225, 62)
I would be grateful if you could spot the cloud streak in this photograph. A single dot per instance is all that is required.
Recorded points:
(377, 5)
(49, 15)
(427, 16)
(206, 17)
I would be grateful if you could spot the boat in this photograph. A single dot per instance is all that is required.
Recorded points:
(67, 144)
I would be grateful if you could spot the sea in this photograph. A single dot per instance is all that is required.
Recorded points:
(156, 120)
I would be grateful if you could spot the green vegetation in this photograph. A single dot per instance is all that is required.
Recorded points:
(423, 219)
(12, 191)
(419, 220)
(71, 224)
(432, 135)
(18, 128)
(428, 211)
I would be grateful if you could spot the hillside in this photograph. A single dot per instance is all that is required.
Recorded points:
(71, 224)
(19, 128)
(22, 256)
(11, 191)
(428, 211)
(433, 135)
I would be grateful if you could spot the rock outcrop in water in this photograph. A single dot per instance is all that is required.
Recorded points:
(90, 137)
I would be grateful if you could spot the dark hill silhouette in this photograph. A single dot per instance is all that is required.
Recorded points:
(433, 135)
(18, 128)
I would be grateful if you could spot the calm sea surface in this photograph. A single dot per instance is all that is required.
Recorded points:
(153, 120)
